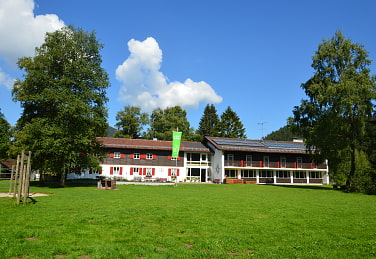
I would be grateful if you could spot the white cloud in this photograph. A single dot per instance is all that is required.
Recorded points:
(143, 84)
(21, 31)
(6, 80)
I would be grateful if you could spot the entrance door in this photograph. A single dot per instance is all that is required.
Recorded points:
(203, 175)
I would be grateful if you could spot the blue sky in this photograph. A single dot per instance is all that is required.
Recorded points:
(250, 55)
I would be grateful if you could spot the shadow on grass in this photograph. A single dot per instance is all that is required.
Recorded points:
(307, 187)
(56, 185)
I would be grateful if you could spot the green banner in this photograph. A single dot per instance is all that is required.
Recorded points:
(176, 137)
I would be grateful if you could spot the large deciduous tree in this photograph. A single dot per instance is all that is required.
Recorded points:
(63, 96)
(340, 95)
(5, 134)
(164, 121)
(230, 125)
(208, 125)
(130, 122)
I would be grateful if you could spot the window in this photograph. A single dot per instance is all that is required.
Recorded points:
(149, 172)
(283, 174)
(230, 157)
(204, 157)
(136, 156)
(231, 173)
(266, 161)
(116, 169)
(136, 171)
(149, 156)
(315, 175)
(248, 160)
(299, 175)
(283, 162)
(299, 162)
(116, 154)
(266, 174)
(248, 173)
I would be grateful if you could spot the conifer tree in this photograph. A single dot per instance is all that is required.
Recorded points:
(230, 125)
(208, 125)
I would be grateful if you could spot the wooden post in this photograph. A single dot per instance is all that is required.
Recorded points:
(16, 177)
(20, 177)
(11, 180)
(27, 179)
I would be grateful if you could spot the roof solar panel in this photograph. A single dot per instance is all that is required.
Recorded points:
(238, 142)
(285, 145)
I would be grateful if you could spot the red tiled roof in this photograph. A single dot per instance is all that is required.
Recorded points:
(150, 144)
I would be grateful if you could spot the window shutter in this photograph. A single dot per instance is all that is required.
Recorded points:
(143, 156)
(131, 173)
(169, 172)
(111, 155)
(177, 172)
(111, 170)
(121, 171)
(153, 171)
(144, 171)
(121, 155)
(178, 157)
(169, 157)
(131, 156)
(154, 156)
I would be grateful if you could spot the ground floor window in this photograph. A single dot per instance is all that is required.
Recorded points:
(248, 173)
(315, 175)
(231, 173)
(266, 174)
(283, 174)
(300, 175)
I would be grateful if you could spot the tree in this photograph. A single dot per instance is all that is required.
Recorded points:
(164, 122)
(130, 122)
(208, 125)
(283, 134)
(340, 95)
(230, 125)
(63, 96)
(5, 134)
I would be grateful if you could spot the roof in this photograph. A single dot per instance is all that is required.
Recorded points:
(125, 143)
(264, 146)
(8, 163)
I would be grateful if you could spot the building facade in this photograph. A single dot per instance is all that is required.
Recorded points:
(214, 160)
(262, 162)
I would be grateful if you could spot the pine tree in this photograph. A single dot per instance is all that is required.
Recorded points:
(208, 125)
(230, 125)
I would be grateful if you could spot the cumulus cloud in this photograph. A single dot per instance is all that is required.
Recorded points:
(21, 31)
(144, 84)
(6, 80)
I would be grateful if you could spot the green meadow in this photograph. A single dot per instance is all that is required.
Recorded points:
(190, 221)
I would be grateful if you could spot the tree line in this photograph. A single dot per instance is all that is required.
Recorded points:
(133, 123)
(63, 96)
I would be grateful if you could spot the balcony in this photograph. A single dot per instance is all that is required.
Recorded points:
(261, 164)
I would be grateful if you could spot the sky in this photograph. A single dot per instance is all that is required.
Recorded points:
(249, 55)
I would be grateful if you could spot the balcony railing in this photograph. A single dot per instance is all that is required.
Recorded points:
(259, 164)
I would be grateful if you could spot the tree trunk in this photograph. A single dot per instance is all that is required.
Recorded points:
(62, 177)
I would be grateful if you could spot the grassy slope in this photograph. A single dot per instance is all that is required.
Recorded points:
(197, 220)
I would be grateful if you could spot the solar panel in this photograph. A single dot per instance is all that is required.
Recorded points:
(236, 142)
(285, 145)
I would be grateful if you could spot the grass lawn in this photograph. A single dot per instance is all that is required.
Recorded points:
(191, 220)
